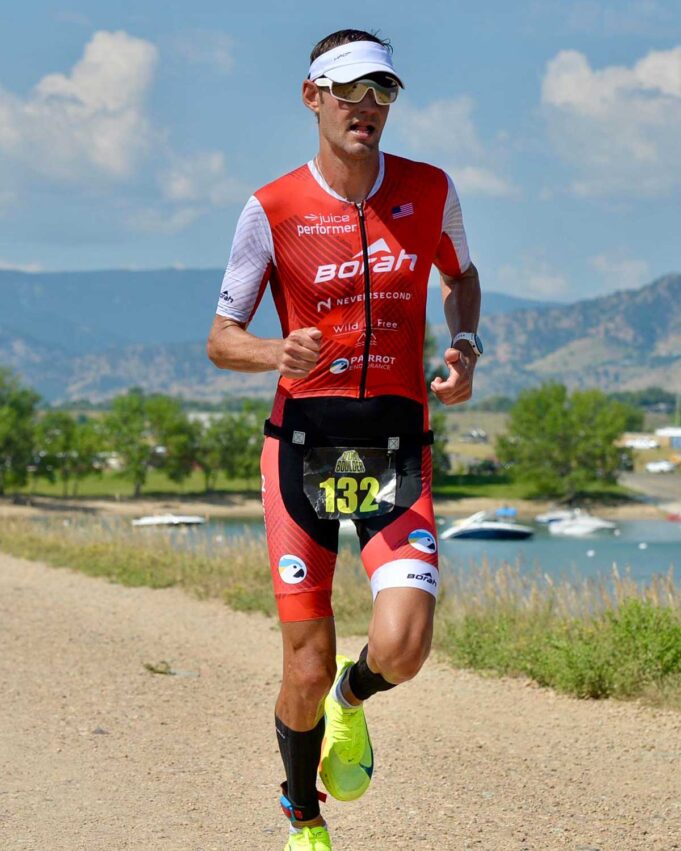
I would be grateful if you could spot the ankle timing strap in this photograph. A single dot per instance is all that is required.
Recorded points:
(295, 812)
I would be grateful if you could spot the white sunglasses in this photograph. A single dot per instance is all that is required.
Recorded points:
(355, 91)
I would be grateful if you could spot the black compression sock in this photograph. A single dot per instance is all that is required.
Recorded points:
(363, 681)
(300, 754)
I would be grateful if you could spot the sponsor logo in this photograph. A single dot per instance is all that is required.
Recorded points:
(422, 540)
(226, 297)
(326, 225)
(361, 340)
(292, 569)
(339, 365)
(330, 303)
(356, 361)
(350, 462)
(386, 262)
(423, 577)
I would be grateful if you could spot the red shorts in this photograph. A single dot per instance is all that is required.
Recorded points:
(398, 549)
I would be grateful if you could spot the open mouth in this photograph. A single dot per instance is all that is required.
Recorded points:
(362, 130)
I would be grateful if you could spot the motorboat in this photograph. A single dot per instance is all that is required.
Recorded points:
(581, 524)
(486, 526)
(555, 515)
(169, 520)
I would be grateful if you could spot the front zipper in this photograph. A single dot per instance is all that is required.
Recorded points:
(367, 299)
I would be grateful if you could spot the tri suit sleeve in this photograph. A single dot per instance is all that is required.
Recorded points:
(452, 257)
(250, 264)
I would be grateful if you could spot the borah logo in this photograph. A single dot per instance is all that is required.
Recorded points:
(422, 540)
(423, 577)
(387, 262)
(292, 569)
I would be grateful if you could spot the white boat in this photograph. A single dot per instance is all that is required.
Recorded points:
(483, 525)
(580, 525)
(169, 520)
(556, 514)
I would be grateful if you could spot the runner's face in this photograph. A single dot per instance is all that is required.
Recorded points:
(351, 128)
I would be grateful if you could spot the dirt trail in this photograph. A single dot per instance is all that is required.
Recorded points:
(98, 753)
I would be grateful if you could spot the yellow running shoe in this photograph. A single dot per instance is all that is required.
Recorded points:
(309, 839)
(347, 758)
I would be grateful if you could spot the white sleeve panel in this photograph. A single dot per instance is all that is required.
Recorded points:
(250, 260)
(452, 225)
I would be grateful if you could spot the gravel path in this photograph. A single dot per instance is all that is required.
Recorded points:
(98, 753)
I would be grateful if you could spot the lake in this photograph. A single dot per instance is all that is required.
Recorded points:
(646, 547)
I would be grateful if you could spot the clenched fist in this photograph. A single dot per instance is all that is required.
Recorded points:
(300, 352)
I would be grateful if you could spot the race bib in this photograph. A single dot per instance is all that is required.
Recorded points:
(342, 482)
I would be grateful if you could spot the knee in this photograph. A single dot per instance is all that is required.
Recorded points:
(398, 661)
(310, 675)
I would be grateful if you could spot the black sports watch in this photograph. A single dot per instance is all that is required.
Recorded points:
(471, 338)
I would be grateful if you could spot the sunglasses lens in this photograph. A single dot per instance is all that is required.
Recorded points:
(355, 91)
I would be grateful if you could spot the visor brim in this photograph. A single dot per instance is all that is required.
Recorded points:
(359, 70)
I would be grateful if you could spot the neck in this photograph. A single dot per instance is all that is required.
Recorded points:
(350, 178)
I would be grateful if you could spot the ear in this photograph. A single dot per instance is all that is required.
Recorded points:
(311, 96)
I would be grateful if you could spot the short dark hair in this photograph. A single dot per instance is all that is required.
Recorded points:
(345, 37)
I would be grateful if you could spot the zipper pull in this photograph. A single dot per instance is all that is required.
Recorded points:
(360, 208)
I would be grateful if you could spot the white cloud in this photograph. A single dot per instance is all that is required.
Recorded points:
(206, 47)
(620, 272)
(618, 127)
(88, 122)
(534, 277)
(445, 132)
(201, 178)
(474, 180)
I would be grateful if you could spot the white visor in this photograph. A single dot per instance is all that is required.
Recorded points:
(353, 61)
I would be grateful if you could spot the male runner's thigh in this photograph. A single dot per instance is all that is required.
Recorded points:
(302, 548)
(399, 550)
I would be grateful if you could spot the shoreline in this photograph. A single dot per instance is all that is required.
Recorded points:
(236, 506)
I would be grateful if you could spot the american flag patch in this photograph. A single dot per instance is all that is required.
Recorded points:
(403, 210)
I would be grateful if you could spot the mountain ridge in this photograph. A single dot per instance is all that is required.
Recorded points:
(83, 334)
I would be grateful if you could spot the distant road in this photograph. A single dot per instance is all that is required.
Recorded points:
(662, 487)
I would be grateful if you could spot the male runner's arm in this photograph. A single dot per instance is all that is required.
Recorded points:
(461, 301)
(230, 345)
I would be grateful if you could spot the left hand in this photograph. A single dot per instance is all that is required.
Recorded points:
(458, 386)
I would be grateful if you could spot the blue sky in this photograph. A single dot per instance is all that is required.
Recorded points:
(132, 134)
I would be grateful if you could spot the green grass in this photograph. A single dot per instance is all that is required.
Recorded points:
(611, 638)
(110, 485)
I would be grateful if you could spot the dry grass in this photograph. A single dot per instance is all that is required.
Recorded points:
(611, 637)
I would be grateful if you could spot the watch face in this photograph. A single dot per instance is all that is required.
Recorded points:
(478, 343)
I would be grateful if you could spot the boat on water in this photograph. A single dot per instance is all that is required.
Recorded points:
(486, 526)
(555, 515)
(169, 520)
(581, 524)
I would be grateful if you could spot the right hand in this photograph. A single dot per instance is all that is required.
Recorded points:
(300, 352)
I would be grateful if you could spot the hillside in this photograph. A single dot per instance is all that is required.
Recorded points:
(93, 334)
(624, 341)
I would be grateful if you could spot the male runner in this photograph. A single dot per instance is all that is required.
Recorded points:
(346, 243)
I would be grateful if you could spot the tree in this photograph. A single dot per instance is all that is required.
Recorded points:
(55, 442)
(128, 433)
(172, 433)
(441, 463)
(17, 423)
(562, 443)
(88, 444)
